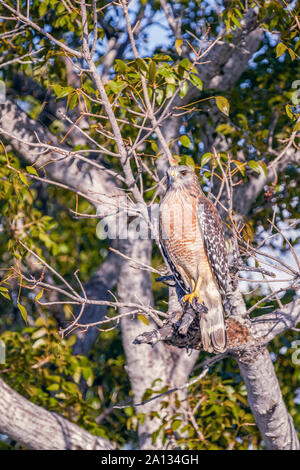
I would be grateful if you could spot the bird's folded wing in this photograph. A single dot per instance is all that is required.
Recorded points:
(212, 231)
(179, 275)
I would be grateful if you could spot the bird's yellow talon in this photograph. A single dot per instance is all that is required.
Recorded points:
(188, 298)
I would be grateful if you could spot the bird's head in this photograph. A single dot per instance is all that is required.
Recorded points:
(181, 176)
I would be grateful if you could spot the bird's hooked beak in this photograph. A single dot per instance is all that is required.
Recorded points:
(173, 175)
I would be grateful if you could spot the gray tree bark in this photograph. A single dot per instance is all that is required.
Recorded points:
(266, 402)
(39, 429)
(169, 365)
(227, 63)
(17, 128)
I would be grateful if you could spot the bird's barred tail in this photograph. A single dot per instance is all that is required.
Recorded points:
(213, 332)
(212, 323)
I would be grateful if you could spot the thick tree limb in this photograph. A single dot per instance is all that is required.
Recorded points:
(266, 402)
(247, 342)
(270, 325)
(144, 364)
(242, 333)
(39, 429)
(81, 177)
(246, 193)
(51, 108)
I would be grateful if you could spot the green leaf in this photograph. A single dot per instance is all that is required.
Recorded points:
(141, 64)
(154, 147)
(175, 425)
(289, 111)
(39, 333)
(225, 129)
(61, 92)
(23, 312)
(258, 167)
(187, 160)
(88, 375)
(185, 64)
(61, 395)
(178, 44)
(53, 388)
(196, 81)
(165, 71)
(159, 96)
(32, 170)
(23, 178)
(242, 120)
(223, 104)
(71, 341)
(280, 49)
(73, 101)
(7, 296)
(4, 292)
(185, 140)
(297, 45)
(143, 319)
(171, 78)
(236, 22)
(170, 90)
(237, 11)
(77, 374)
(296, 127)
(40, 321)
(43, 7)
(120, 66)
(152, 71)
(264, 168)
(254, 165)
(240, 166)
(115, 86)
(60, 8)
(70, 387)
(292, 54)
(162, 58)
(206, 158)
(39, 342)
(184, 89)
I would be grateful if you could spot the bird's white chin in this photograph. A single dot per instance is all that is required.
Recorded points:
(176, 184)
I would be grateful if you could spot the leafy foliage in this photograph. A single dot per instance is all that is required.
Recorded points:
(42, 367)
(251, 121)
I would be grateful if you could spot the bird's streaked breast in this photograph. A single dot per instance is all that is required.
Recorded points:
(180, 232)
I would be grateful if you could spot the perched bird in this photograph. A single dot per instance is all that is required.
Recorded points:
(192, 240)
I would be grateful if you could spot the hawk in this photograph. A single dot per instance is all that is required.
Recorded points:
(193, 243)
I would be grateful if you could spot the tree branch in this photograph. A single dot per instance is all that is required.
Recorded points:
(36, 428)
(266, 402)
(97, 287)
(224, 64)
(91, 182)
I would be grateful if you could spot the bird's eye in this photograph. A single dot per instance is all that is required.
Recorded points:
(184, 173)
